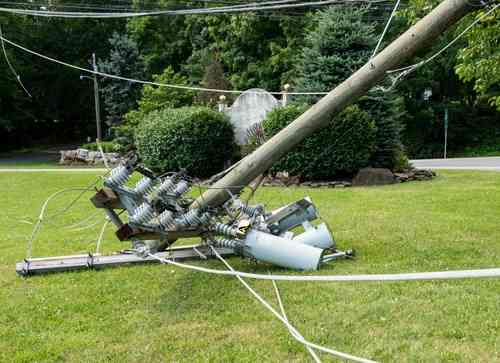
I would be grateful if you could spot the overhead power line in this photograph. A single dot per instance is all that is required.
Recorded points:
(271, 5)
(405, 71)
(132, 80)
(16, 75)
(393, 13)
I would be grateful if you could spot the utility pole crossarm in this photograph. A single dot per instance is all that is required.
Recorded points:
(423, 32)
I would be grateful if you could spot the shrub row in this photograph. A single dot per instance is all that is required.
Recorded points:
(341, 148)
(196, 139)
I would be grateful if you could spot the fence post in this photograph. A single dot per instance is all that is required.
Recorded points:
(284, 100)
(222, 103)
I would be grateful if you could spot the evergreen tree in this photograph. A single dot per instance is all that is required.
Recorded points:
(123, 60)
(214, 78)
(340, 43)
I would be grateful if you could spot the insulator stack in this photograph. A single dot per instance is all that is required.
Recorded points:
(166, 220)
(193, 218)
(250, 210)
(142, 214)
(144, 186)
(166, 186)
(181, 188)
(227, 243)
(226, 230)
(118, 177)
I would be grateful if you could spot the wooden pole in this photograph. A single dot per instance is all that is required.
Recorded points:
(319, 115)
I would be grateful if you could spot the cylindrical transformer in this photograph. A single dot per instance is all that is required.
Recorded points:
(281, 251)
(317, 236)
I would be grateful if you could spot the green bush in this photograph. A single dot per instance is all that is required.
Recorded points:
(196, 139)
(342, 148)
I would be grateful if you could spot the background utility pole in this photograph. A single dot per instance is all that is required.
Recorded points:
(96, 99)
(445, 129)
(419, 35)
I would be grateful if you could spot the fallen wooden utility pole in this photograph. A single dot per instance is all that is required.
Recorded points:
(318, 116)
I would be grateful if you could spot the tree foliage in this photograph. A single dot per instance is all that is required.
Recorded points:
(479, 61)
(196, 139)
(124, 60)
(340, 43)
(340, 149)
(154, 98)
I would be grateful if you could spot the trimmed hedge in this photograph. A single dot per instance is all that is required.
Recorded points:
(340, 149)
(196, 139)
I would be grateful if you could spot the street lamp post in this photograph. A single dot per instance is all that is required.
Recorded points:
(96, 99)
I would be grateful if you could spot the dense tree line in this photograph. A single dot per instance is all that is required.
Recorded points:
(311, 50)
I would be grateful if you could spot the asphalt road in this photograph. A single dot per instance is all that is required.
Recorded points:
(487, 163)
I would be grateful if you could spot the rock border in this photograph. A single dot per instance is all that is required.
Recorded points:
(87, 157)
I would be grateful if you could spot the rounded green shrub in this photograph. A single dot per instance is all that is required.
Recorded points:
(340, 149)
(196, 139)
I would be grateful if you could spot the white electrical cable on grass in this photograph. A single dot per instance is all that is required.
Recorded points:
(167, 85)
(88, 226)
(290, 327)
(412, 276)
(102, 154)
(41, 216)
(82, 222)
(283, 313)
(16, 76)
(40, 219)
(101, 234)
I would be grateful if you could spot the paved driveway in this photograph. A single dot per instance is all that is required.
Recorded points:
(487, 163)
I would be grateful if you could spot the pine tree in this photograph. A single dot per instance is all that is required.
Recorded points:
(340, 43)
(214, 79)
(123, 60)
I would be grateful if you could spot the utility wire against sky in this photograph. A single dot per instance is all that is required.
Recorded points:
(272, 5)
(402, 72)
(120, 78)
(16, 75)
(393, 13)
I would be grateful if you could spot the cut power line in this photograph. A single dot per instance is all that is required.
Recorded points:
(271, 5)
(16, 75)
(132, 80)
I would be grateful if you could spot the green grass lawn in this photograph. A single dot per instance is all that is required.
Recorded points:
(154, 313)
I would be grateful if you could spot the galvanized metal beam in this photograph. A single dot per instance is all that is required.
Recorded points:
(36, 266)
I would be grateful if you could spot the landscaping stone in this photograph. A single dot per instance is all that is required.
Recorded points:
(86, 157)
(374, 176)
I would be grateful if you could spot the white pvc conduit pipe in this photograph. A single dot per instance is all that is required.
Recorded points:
(439, 275)
(295, 333)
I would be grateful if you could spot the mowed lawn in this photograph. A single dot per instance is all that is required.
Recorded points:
(155, 313)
